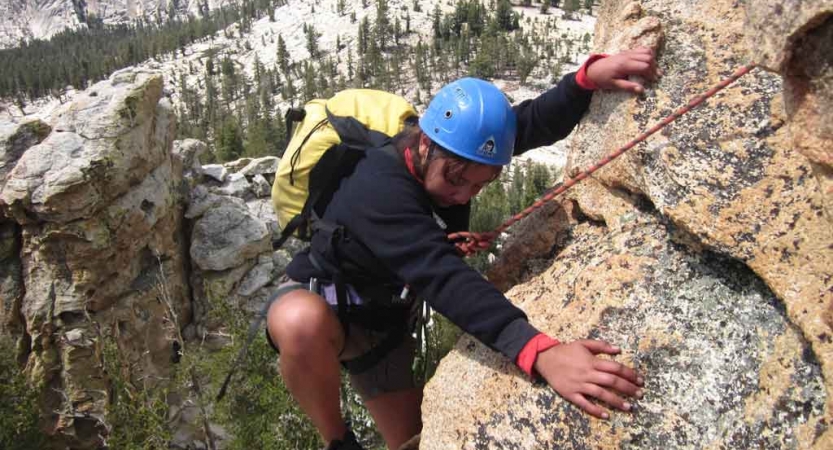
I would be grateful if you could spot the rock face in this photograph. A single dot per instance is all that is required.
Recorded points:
(705, 253)
(793, 38)
(95, 231)
(723, 363)
(15, 139)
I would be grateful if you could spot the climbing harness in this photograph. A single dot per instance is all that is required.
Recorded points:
(468, 243)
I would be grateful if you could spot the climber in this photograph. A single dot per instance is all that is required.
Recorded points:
(385, 228)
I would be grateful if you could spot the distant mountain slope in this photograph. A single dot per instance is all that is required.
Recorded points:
(42, 19)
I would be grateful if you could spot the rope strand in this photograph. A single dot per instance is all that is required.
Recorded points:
(472, 242)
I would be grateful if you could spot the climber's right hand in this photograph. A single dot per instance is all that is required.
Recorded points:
(578, 374)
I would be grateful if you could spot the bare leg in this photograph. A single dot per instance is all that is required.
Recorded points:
(397, 415)
(310, 338)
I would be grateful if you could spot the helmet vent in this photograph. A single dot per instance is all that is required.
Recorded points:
(448, 114)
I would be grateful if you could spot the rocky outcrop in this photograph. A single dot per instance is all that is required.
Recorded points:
(705, 253)
(97, 211)
(116, 242)
(534, 240)
(793, 38)
(232, 223)
(15, 139)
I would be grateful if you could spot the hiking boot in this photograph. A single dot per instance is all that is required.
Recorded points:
(348, 442)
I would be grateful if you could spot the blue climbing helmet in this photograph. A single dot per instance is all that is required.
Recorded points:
(472, 119)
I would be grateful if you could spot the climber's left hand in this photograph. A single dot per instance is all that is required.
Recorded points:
(613, 72)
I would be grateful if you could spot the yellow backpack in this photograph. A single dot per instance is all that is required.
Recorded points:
(326, 145)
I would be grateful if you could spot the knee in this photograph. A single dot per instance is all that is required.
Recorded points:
(302, 323)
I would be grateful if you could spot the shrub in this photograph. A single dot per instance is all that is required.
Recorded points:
(19, 410)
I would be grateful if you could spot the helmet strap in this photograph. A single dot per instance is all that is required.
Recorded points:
(409, 161)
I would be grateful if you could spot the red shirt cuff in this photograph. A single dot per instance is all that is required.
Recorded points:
(528, 355)
(581, 75)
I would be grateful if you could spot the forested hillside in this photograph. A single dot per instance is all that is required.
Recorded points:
(233, 72)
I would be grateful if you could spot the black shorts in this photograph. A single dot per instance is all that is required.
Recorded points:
(392, 373)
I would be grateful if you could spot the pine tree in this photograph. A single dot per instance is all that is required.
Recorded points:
(373, 61)
(312, 41)
(383, 27)
(421, 70)
(211, 104)
(229, 81)
(475, 17)
(516, 190)
(310, 89)
(324, 89)
(436, 21)
(185, 116)
(283, 55)
(258, 74)
(209, 66)
(289, 91)
(363, 37)
(538, 179)
(252, 109)
(503, 15)
(350, 63)
(555, 72)
(570, 7)
(229, 141)
(384, 80)
(265, 137)
(585, 40)
(485, 64)
(525, 62)
(341, 83)
(278, 138)
(361, 74)
(396, 67)
(490, 208)
(397, 31)
(463, 49)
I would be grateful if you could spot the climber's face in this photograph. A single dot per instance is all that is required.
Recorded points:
(450, 180)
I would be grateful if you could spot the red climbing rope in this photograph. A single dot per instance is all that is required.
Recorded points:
(470, 242)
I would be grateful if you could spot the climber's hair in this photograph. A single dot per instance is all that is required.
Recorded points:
(410, 137)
